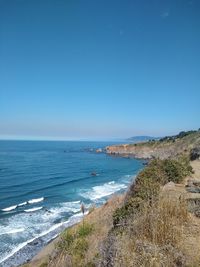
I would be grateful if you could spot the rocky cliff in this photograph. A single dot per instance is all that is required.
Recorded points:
(164, 148)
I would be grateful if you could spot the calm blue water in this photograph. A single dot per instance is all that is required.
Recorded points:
(42, 185)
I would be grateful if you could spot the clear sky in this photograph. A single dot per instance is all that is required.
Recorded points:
(98, 69)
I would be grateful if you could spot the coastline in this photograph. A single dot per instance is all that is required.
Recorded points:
(32, 247)
(171, 190)
(113, 175)
(49, 251)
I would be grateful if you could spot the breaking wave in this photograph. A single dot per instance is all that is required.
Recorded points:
(104, 190)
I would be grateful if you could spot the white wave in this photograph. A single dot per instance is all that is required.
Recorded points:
(73, 207)
(22, 204)
(36, 200)
(10, 208)
(80, 214)
(75, 202)
(104, 190)
(13, 231)
(52, 228)
(33, 209)
(16, 249)
(127, 176)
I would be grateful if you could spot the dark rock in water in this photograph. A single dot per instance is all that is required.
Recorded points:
(195, 153)
(93, 173)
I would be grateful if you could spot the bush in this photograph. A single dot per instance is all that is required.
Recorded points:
(147, 185)
(85, 229)
(131, 207)
(80, 246)
(174, 170)
(44, 264)
(69, 237)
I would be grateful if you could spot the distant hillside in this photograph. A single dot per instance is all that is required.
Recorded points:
(169, 146)
(142, 138)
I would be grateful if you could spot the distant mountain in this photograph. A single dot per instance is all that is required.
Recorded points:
(141, 138)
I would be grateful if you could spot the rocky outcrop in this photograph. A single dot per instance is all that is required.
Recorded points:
(143, 151)
(195, 153)
(158, 149)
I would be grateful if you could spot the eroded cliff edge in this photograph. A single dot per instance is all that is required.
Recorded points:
(167, 147)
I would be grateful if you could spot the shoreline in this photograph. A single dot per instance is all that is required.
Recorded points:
(49, 250)
(29, 249)
(39, 250)
(96, 192)
(170, 189)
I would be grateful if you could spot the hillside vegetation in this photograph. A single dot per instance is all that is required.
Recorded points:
(148, 226)
(167, 147)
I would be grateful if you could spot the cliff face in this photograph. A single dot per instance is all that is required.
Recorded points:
(158, 149)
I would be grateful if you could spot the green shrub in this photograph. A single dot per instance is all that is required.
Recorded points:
(173, 170)
(131, 207)
(67, 238)
(85, 229)
(147, 189)
(154, 171)
(74, 241)
(177, 170)
(90, 264)
(44, 264)
(80, 246)
(147, 184)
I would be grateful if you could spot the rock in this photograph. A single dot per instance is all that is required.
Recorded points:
(168, 186)
(189, 183)
(196, 183)
(193, 189)
(195, 153)
(99, 150)
(194, 206)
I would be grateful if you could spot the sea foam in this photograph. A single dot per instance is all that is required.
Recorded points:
(12, 231)
(36, 200)
(22, 204)
(33, 209)
(10, 208)
(104, 190)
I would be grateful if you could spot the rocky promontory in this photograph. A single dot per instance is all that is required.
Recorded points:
(167, 147)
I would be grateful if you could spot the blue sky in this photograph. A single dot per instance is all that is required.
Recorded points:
(98, 69)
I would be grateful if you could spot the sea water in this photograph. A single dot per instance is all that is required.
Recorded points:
(42, 185)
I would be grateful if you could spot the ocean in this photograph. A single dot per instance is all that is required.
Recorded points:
(42, 185)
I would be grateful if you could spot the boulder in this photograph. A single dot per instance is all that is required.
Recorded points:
(195, 153)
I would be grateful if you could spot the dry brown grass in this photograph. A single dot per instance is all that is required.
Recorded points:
(101, 220)
(155, 237)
